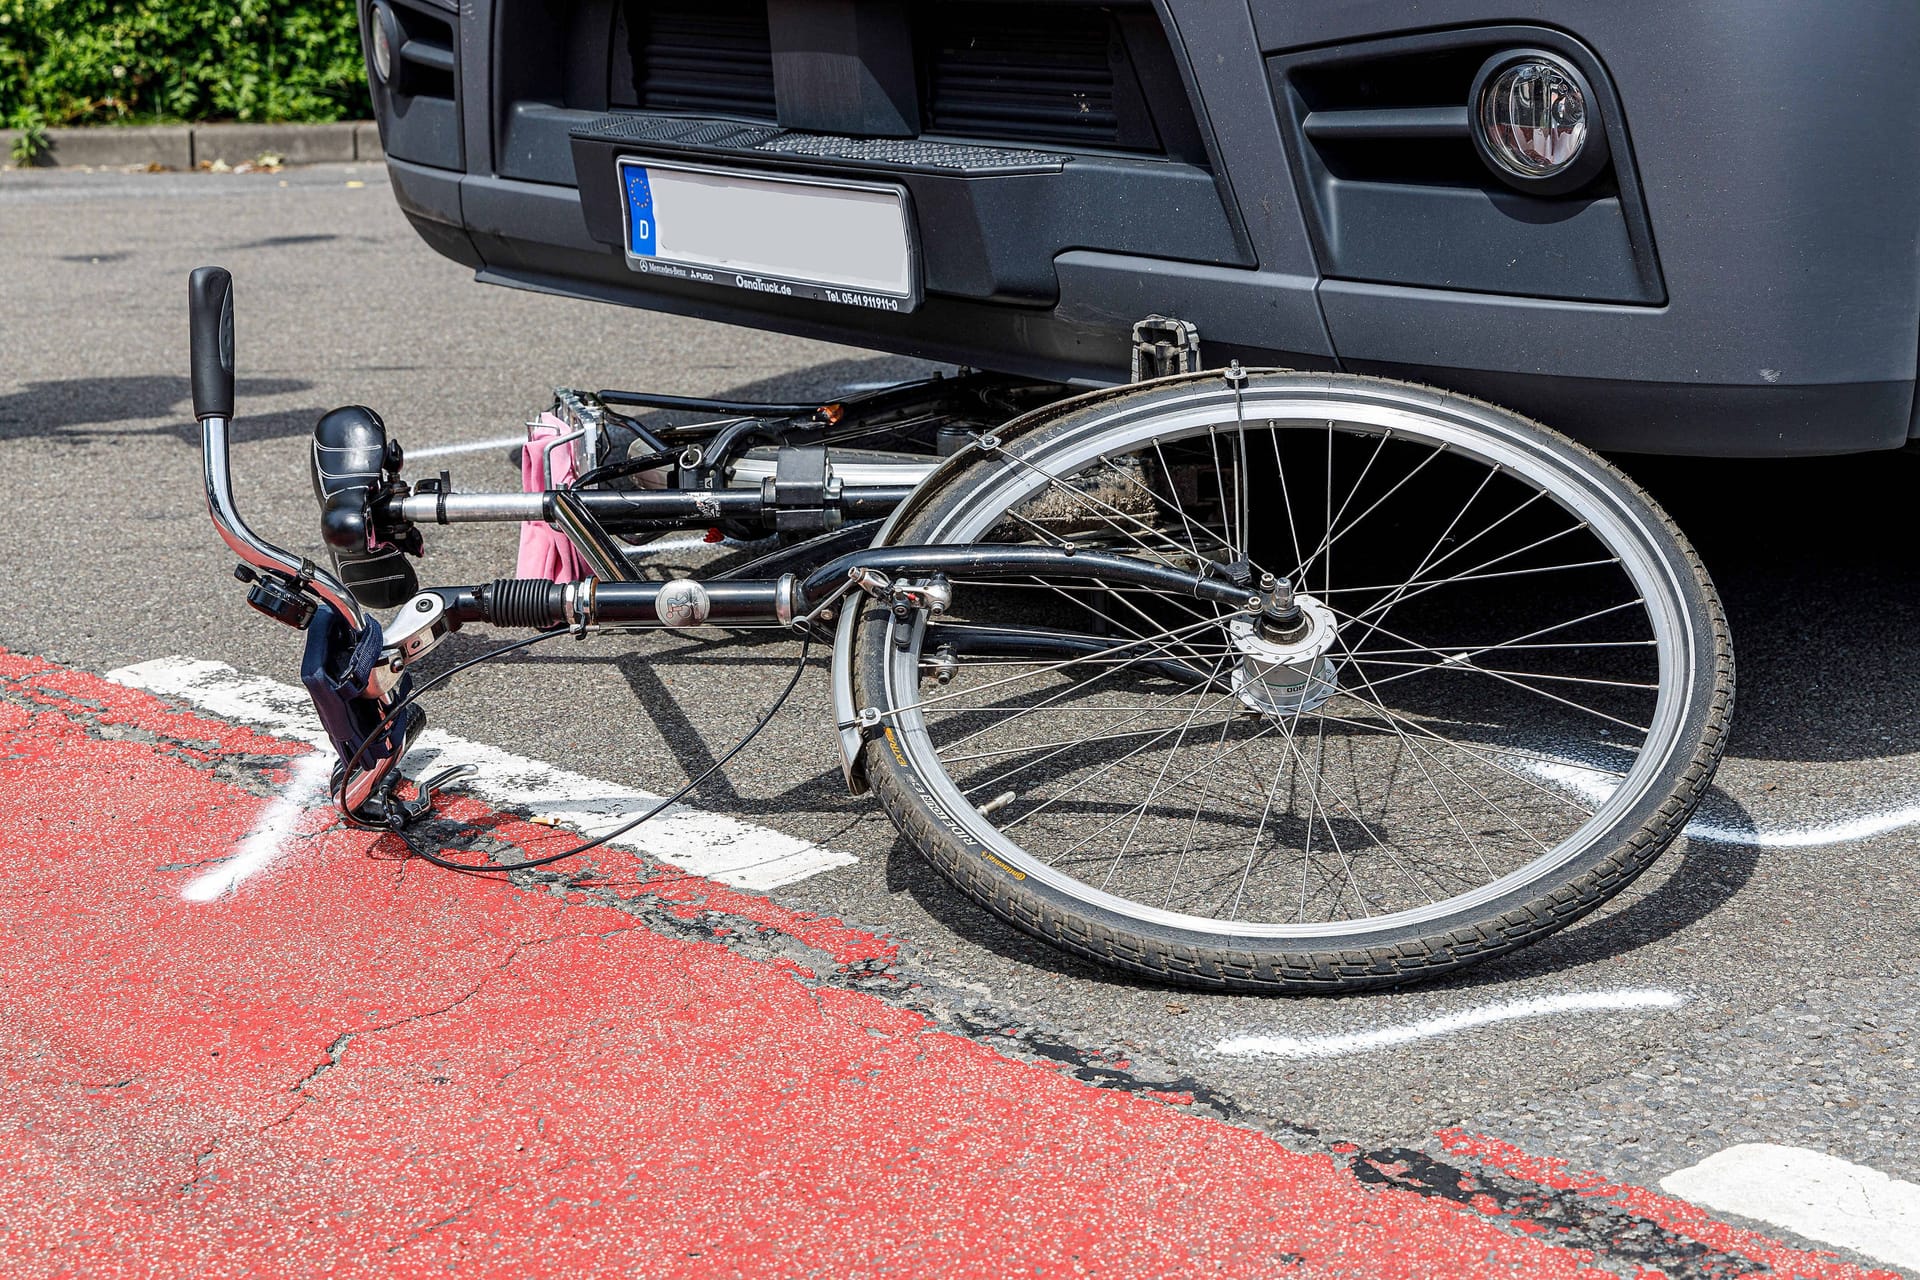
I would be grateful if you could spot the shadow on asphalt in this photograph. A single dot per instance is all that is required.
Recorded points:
(1815, 559)
(1815, 562)
(88, 409)
(835, 377)
(1708, 875)
(1812, 558)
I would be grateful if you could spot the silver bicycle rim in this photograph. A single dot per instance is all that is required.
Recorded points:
(1380, 412)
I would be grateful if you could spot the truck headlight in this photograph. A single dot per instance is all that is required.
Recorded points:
(384, 35)
(1536, 123)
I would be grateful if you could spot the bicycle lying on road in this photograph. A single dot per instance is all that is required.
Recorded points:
(1246, 678)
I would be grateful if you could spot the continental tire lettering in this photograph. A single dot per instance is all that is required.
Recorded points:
(1017, 875)
(898, 754)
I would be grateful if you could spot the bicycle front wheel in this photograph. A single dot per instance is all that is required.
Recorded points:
(1505, 689)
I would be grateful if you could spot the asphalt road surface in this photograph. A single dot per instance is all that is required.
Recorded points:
(1759, 986)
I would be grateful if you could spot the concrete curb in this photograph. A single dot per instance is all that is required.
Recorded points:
(186, 146)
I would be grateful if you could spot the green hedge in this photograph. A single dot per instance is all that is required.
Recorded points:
(145, 61)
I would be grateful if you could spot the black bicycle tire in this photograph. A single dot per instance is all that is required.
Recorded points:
(1256, 964)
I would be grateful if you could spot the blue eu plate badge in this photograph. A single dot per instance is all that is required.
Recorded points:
(640, 225)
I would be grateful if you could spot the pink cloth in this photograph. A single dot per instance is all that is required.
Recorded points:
(545, 552)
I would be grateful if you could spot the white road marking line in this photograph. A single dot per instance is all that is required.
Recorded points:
(691, 542)
(1336, 1046)
(1819, 1196)
(471, 446)
(1595, 785)
(306, 787)
(720, 848)
(694, 542)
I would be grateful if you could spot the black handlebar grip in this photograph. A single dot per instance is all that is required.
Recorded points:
(210, 324)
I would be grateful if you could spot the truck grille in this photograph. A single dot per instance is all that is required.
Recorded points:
(1083, 75)
(709, 56)
(1010, 71)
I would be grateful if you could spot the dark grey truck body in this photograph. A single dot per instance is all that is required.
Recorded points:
(1742, 280)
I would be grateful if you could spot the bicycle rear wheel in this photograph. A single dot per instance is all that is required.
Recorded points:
(1508, 687)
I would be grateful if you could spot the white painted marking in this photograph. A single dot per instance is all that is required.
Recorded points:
(1596, 785)
(306, 787)
(695, 542)
(690, 542)
(472, 446)
(708, 844)
(1336, 1046)
(1819, 1196)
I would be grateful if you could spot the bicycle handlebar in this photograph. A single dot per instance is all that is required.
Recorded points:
(210, 322)
(210, 330)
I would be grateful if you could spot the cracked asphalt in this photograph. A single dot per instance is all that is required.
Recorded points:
(1793, 959)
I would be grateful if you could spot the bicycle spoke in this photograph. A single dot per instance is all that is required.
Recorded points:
(1464, 663)
(1154, 790)
(1202, 762)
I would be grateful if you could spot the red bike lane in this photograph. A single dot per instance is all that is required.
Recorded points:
(355, 1063)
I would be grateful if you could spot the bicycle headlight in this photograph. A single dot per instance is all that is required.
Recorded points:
(1536, 123)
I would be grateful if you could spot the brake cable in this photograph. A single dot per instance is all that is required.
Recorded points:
(386, 721)
(627, 467)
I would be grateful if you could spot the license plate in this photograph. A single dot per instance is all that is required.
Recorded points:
(849, 243)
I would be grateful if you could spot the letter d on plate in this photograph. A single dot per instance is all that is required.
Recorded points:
(640, 228)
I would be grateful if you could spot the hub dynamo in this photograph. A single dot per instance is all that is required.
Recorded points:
(1286, 672)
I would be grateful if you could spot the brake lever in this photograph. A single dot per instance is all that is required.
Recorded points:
(416, 631)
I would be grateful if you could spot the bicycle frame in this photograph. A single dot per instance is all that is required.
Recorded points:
(356, 669)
